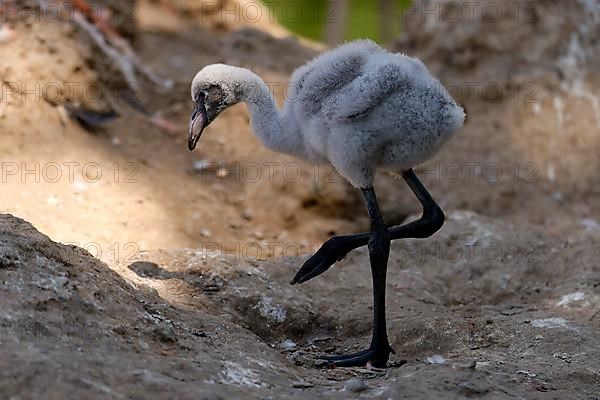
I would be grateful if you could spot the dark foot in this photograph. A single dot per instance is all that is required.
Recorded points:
(332, 251)
(377, 358)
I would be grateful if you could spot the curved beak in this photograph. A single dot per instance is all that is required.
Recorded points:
(198, 122)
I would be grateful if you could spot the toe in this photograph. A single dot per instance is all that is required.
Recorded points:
(342, 357)
(355, 361)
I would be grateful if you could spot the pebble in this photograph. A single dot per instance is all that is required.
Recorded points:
(302, 385)
(355, 385)
(164, 333)
(590, 224)
(556, 322)
(557, 196)
(288, 344)
(201, 165)
(6, 34)
(222, 173)
(247, 214)
(79, 186)
(570, 298)
(436, 359)
(206, 232)
(53, 201)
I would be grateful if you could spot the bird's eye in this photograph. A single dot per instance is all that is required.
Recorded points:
(200, 96)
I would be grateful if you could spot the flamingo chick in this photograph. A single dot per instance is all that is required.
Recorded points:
(359, 108)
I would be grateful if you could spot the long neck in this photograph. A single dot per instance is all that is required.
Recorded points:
(267, 121)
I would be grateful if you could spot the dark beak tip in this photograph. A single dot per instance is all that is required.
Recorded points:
(191, 145)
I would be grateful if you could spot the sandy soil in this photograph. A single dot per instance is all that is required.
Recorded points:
(145, 176)
(193, 300)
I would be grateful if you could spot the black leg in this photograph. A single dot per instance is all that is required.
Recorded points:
(379, 251)
(336, 248)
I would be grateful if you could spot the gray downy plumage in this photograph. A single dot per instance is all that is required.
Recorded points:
(358, 107)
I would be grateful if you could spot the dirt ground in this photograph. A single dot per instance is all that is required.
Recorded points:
(190, 295)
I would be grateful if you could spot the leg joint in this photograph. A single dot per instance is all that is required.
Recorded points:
(437, 218)
(379, 242)
(431, 222)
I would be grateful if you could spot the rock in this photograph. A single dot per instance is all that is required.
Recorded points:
(549, 323)
(302, 385)
(206, 233)
(436, 359)
(247, 214)
(355, 385)
(288, 344)
(571, 298)
(203, 165)
(165, 333)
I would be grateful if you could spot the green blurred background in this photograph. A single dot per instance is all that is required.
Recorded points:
(338, 20)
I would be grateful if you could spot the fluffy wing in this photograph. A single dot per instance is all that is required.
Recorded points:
(359, 98)
(313, 83)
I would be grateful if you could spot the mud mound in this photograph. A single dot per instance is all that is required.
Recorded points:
(483, 309)
(73, 328)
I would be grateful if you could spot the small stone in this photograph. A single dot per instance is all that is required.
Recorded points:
(202, 165)
(570, 298)
(436, 359)
(222, 173)
(590, 224)
(206, 232)
(247, 214)
(164, 333)
(548, 323)
(288, 344)
(302, 385)
(79, 186)
(53, 201)
(355, 385)
(557, 196)
(6, 34)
